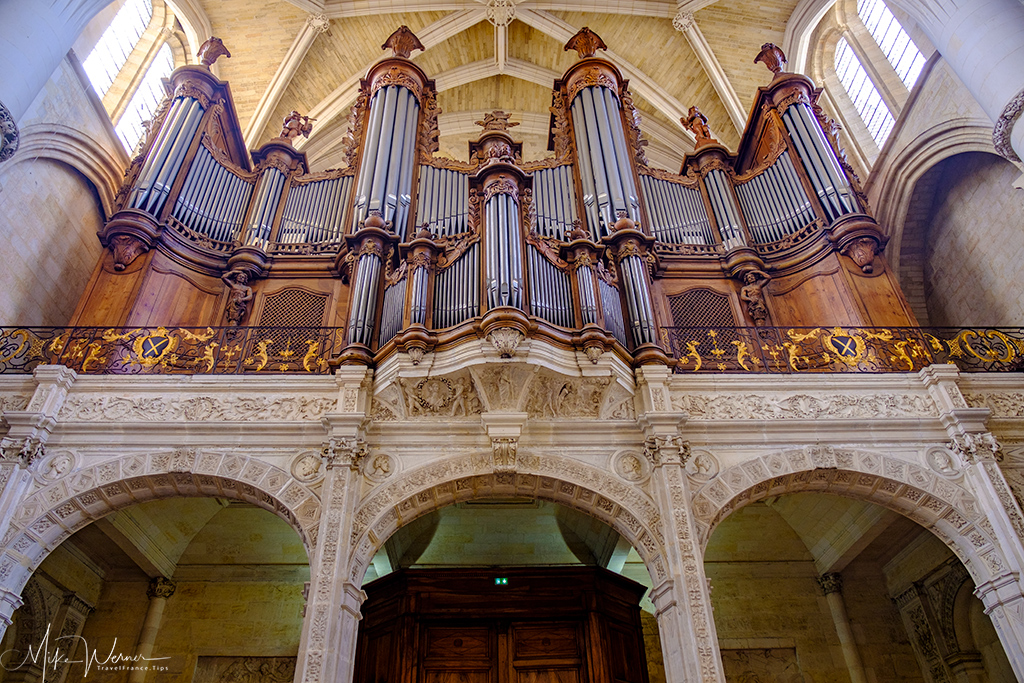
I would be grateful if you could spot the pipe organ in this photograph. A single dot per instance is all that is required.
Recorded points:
(412, 251)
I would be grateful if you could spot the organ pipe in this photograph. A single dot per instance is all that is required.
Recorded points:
(819, 161)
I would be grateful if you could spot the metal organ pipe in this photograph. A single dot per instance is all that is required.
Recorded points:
(586, 174)
(162, 166)
(823, 170)
(724, 206)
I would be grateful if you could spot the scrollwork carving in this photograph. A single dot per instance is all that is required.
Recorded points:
(190, 88)
(976, 447)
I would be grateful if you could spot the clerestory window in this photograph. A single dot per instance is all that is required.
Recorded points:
(863, 93)
(111, 53)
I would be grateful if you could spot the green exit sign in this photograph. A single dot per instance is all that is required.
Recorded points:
(501, 581)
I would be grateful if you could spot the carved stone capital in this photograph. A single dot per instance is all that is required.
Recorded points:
(22, 451)
(77, 604)
(977, 447)
(344, 452)
(666, 450)
(9, 136)
(160, 588)
(832, 582)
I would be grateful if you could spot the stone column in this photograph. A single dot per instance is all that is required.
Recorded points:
(983, 41)
(160, 589)
(24, 447)
(832, 586)
(978, 454)
(680, 593)
(36, 36)
(328, 644)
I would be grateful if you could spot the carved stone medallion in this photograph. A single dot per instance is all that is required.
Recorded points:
(631, 466)
(308, 467)
(57, 465)
(702, 466)
(942, 461)
(379, 466)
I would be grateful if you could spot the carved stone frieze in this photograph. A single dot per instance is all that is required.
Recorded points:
(1003, 129)
(803, 406)
(195, 408)
(440, 397)
(1002, 404)
(556, 396)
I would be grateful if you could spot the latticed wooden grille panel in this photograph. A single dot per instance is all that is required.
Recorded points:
(293, 308)
(701, 308)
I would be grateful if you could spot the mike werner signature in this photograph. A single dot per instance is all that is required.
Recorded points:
(52, 659)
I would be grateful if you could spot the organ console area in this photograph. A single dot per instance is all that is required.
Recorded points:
(405, 251)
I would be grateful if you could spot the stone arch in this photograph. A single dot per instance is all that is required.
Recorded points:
(102, 165)
(898, 177)
(623, 507)
(54, 512)
(942, 506)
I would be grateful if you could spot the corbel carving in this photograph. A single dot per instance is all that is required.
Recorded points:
(160, 588)
(344, 452)
(126, 248)
(862, 251)
(832, 582)
(505, 340)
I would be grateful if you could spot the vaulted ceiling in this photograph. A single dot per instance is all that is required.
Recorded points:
(282, 59)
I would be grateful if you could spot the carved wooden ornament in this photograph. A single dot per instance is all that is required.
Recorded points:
(211, 51)
(402, 42)
(586, 43)
(126, 249)
(772, 57)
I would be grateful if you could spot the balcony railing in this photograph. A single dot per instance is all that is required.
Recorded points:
(800, 350)
(309, 350)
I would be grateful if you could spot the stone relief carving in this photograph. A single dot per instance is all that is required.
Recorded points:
(245, 670)
(440, 397)
(802, 406)
(13, 402)
(631, 466)
(702, 466)
(379, 466)
(942, 462)
(505, 341)
(556, 396)
(974, 448)
(57, 465)
(308, 467)
(503, 387)
(1002, 404)
(228, 407)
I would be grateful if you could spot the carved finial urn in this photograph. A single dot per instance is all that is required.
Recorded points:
(211, 51)
(772, 57)
(586, 43)
(402, 42)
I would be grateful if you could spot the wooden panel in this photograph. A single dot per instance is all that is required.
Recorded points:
(483, 676)
(545, 641)
(547, 676)
(880, 296)
(812, 296)
(457, 642)
(172, 296)
(623, 657)
(109, 295)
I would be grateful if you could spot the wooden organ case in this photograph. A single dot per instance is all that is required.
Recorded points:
(404, 251)
(553, 625)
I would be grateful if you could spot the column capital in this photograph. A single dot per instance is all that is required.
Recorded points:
(161, 588)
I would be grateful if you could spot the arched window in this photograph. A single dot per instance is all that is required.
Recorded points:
(136, 51)
(146, 98)
(894, 42)
(111, 53)
(863, 92)
(867, 64)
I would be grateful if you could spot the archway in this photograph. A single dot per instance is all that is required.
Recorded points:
(198, 572)
(875, 507)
